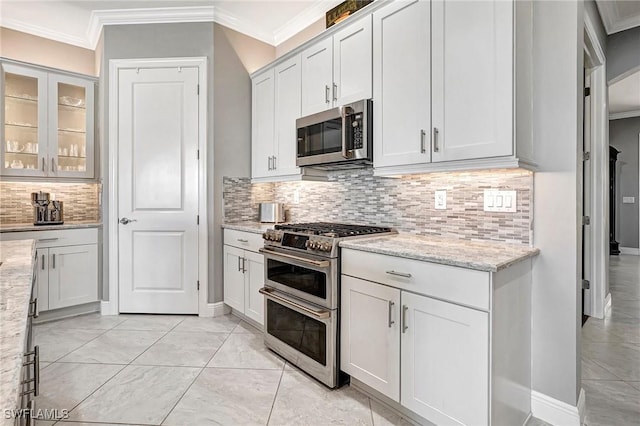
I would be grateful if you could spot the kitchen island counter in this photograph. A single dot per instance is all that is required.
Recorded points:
(16, 274)
(253, 227)
(490, 256)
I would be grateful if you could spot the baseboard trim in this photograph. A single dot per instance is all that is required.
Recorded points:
(557, 412)
(108, 308)
(607, 304)
(71, 311)
(582, 405)
(630, 250)
(217, 309)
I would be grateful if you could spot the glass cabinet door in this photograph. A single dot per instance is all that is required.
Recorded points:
(71, 131)
(24, 118)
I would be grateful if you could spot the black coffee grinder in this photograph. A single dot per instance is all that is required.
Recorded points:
(45, 211)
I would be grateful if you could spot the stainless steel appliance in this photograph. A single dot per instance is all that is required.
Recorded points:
(45, 210)
(338, 137)
(271, 212)
(302, 293)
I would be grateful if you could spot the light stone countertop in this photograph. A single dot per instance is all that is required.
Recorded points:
(16, 274)
(253, 227)
(23, 227)
(487, 256)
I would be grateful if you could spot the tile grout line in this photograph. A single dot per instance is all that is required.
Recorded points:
(85, 343)
(603, 367)
(275, 396)
(195, 379)
(373, 423)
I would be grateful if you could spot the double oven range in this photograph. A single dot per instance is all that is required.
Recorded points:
(302, 293)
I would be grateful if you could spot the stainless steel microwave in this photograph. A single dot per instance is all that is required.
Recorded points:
(340, 136)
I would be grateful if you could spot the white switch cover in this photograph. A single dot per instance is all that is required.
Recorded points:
(500, 201)
(628, 200)
(441, 200)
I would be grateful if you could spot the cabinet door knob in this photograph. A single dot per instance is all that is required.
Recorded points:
(126, 220)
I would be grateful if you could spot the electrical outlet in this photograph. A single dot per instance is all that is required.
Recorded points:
(441, 200)
(628, 200)
(500, 201)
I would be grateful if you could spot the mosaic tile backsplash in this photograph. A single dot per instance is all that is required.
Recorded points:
(406, 203)
(80, 200)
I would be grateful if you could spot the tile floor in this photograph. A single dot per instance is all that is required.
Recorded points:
(177, 370)
(611, 351)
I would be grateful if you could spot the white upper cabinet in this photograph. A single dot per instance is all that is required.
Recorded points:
(472, 79)
(262, 124)
(47, 123)
(288, 94)
(402, 84)
(337, 69)
(275, 109)
(352, 63)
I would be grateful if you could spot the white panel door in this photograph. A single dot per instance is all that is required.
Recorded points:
(43, 279)
(158, 190)
(472, 79)
(254, 281)
(370, 334)
(317, 77)
(402, 84)
(445, 361)
(287, 111)
(233, 277)
(352, 63)
(262, 122)
(73, 275)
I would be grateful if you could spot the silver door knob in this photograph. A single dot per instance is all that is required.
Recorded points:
(125, 221)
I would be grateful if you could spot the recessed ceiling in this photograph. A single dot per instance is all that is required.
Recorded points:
(619, 15)
(78, 21)
(624, 97)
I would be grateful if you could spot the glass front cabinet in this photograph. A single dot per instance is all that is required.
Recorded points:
(47, 123)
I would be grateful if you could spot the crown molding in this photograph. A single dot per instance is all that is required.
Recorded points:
(38, 31)
(161, 15)
(302, 20)
(611, 18)
(229, 20)
(625, 114)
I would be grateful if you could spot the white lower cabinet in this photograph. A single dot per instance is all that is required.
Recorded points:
(427, 347)
(67, 266)
(243, 274)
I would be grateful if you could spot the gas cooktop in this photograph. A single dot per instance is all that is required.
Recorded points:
(332, 230)
(317, 238)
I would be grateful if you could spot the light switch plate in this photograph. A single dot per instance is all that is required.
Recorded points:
(441, 200)
(500, 201)
(628, 200)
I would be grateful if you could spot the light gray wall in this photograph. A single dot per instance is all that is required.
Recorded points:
(623, 135)
(557, 87)
(623, 52)
(152, 41)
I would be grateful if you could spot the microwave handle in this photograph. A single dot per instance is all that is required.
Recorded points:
(343, 113)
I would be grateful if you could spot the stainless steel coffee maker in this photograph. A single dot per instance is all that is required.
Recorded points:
(46, 211)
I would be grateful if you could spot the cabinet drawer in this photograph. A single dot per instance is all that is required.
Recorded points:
(55, 238)
(243, 240)
(458, 285)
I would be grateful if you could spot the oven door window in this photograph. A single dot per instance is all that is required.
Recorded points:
(302, 279)
(300, 332)
(322, 138)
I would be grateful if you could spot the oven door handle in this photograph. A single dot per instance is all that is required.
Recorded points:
(321, 314)
(318, 263)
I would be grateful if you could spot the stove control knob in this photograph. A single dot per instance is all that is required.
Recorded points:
(278, 237)
(314, 245)
(307, 244)
(265, 236)
(326, 247)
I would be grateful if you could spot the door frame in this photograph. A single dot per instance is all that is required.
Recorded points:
(599, 227)
(115, 65)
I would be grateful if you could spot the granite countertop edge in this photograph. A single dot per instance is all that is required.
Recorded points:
(253, 227)
(16, 275)
(26, 227)
(408, 252)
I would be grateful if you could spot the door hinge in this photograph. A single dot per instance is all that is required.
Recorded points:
(587, 91)
(198, 90)
(198, 220)
(586, 284)
(586, 220)
(198, 285)
(586, 156)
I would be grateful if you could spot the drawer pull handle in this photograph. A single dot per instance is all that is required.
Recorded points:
(43, 262)
(391, 321)
(405, 308)
(399, 274)
(242, 240)
(46, 240)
